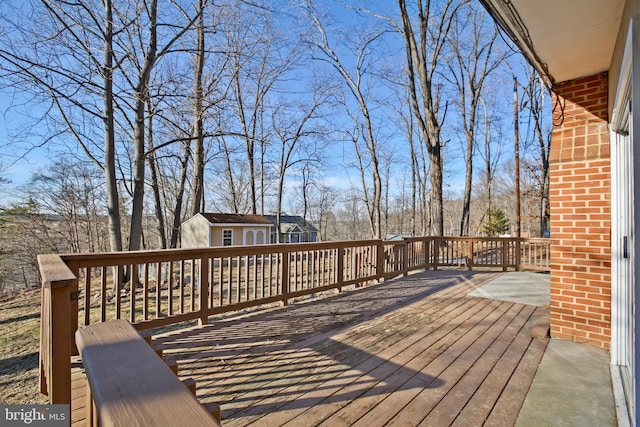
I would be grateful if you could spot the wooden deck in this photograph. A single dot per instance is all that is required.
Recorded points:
(411, 351)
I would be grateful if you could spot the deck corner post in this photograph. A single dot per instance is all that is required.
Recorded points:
(405, 258)
(428, 253)
(59, 285)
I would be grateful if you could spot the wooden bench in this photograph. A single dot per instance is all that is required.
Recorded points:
(130, 385)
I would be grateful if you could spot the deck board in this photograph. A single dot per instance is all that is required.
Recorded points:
(408, 351)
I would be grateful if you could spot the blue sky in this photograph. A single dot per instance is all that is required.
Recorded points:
(17, 163)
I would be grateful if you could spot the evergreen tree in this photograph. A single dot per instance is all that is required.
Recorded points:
(497, 223)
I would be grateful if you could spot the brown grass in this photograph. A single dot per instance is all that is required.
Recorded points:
(19, 347)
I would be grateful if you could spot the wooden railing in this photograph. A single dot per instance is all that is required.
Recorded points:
(158, 288)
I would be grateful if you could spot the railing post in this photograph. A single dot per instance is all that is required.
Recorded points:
(436, 252)
(59, 286)
(74, 297)
(505, 253)
(405, 258)
(470, 254)
(518, 253)
(286, 255)
(380, 260)
(204, 290)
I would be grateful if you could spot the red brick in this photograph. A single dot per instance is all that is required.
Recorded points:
(580, 213)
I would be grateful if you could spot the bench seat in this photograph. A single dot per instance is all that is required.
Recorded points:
(130, 385)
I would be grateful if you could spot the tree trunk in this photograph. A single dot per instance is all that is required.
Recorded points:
(141, 95)
(109, 168)
(197, 195)
(155, 185)
(466, 203)
(177, 211)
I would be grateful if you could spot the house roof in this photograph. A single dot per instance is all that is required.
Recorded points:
(564, 39)
(229, 218)
(289, 223)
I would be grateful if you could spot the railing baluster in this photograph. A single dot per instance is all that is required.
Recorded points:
(170, 287)
(285, 277)
(192, 293)
(158, 291)
(87, 296)
(118, 274)
(255, 276)
(103, 295)
(117, 285)
(133, 275)
(182, 278)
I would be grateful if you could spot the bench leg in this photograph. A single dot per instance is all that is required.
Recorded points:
(214, 409)
(190, 383)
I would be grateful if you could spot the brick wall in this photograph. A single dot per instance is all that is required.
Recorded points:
(580, 202)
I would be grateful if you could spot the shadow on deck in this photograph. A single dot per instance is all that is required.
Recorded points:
(411, 351)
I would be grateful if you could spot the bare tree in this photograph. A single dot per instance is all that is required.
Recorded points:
(72, 192)
(473, 58)
(424, 49)
(293, 131)
(490, 153)
(24, 233)
(419, 167)
(144, 66)
(51, 57)
(322, 202)
(260, 56)
(363, 134)
(534, 93)
(59, 49)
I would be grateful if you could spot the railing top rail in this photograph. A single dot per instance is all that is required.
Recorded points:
(54, 272)
(132, 257)
(482, 239)
(166, 255)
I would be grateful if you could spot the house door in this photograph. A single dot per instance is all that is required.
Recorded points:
(622, 253)
(624, 245)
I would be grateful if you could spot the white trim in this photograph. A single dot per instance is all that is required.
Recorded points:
(622, 410)
(256, 231)
(222, 235)
(625, 195)
(623, 94)
(238, 224)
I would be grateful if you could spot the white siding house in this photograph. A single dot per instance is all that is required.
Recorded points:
(223, 229)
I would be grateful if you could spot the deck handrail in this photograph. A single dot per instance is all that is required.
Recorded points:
(163, 287)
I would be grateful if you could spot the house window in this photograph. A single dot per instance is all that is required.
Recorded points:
(227, 237)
